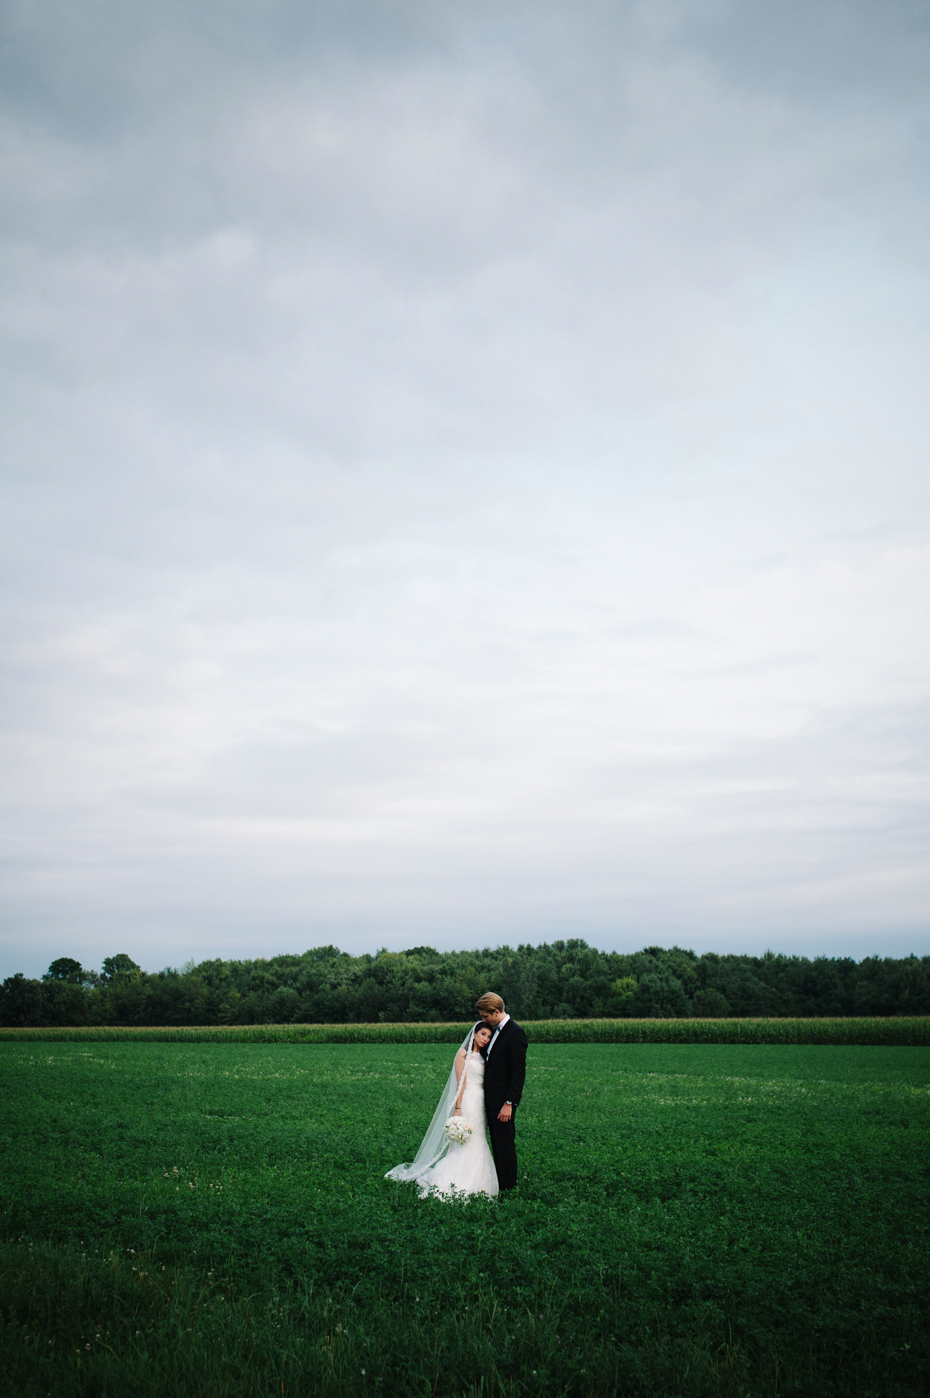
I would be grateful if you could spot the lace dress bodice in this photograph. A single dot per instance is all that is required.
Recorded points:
(474, 1082)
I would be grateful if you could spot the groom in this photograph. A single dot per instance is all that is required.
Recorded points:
(504, 1075)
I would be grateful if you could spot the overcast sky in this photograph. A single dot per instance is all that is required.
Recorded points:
(465, 476)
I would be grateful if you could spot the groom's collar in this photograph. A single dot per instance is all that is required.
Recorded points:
(505, 1020)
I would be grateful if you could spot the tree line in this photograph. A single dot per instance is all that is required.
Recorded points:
(558, 980)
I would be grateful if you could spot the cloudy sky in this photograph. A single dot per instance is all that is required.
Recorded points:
(465, 476)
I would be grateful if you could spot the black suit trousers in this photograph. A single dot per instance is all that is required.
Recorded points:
(504, 1148)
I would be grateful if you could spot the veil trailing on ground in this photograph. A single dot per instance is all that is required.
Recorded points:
(435, 1143)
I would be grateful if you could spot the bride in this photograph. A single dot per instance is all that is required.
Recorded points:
(443, 1165)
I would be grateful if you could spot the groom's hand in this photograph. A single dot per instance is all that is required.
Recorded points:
(505, 1113)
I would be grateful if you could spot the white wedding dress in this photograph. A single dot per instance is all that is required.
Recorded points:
(467, 1168)
(445, 1167)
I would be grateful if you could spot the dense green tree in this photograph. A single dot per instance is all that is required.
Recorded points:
(558, 979)
(115, 967)
(23, 1001)
(710, 1004)
(660, 995)
(66, 969)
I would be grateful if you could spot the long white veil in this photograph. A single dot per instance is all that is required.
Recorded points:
(435, 1143)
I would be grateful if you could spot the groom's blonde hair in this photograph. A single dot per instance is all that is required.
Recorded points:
(490, 1003)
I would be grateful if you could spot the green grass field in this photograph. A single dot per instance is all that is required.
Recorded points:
(211, 1219)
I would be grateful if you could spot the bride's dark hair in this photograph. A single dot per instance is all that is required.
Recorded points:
(482, 1048)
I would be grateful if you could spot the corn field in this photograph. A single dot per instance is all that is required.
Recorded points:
(914, 1031)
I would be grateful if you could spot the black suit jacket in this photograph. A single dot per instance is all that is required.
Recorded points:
(505, 1069)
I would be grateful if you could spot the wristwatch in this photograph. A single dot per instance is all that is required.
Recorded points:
(508, 1103)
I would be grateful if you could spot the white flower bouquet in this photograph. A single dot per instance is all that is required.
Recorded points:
(458, 1129)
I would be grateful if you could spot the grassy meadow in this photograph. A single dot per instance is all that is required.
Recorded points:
(211, 1219)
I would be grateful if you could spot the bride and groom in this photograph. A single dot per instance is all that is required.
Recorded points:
(482, 1093)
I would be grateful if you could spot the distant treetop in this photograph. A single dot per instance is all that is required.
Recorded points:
(558, 980)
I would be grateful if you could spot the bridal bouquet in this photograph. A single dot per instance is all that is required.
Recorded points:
(458, 1129)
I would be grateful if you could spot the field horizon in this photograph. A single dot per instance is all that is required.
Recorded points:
(904, 1030)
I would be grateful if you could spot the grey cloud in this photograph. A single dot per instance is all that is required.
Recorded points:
(465, 471)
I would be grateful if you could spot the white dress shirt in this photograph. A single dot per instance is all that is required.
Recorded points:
(495, 1034)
